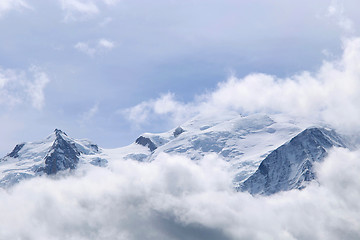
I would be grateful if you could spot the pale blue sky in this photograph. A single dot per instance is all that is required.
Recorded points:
(78, 64)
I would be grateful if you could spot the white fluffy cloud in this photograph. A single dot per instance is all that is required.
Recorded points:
(176, 198)
(19, 87)
(165, 106)
(93, 49)
(331, 94)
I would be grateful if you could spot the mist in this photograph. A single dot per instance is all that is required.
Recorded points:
(176, 198)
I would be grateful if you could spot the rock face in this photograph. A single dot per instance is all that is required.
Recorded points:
(146, 142)
(291, 165)
(178, 131)
(14, 153)
(63, 155)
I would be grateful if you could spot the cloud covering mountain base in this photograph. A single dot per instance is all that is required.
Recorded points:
(176, 198)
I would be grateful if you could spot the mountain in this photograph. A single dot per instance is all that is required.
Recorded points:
(57, 152)
(291, 165)
(243, 141)
(266, 153)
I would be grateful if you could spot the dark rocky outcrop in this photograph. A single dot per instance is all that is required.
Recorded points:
(146, 142)
(178, 131)
(14, 153)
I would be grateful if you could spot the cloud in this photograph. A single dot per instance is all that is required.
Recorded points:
(176, 198)
(78, 9)
(36, 88)
(84, 47)
(111, 2)
(165, 106)
(83, 9)
(7, 5)
(19, 87)
(331, 94)
(106, 43)
(336, 10)
(88, 115)
(99, 47)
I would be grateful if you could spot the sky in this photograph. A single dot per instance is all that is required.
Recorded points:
(109, 70)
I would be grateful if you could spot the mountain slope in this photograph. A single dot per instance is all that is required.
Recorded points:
(243, 141)
(291, 165)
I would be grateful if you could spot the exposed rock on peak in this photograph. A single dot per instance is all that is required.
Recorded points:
(59, 132)
(15, 152)
(146, 142)
(178, 131)
(62, 155)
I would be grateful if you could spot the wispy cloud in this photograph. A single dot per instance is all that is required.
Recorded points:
(35, 88)
(89, 114)
(78, 9)
(99, 47)
(336, 10)
(19, 87)
(85, 48)
(83, 9)
(111, 2)
(106, 43)
(7, 5)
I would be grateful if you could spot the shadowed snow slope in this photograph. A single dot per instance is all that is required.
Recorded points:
(291, 165)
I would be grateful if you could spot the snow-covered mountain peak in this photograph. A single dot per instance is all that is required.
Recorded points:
(55, 153)
(57, 133)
